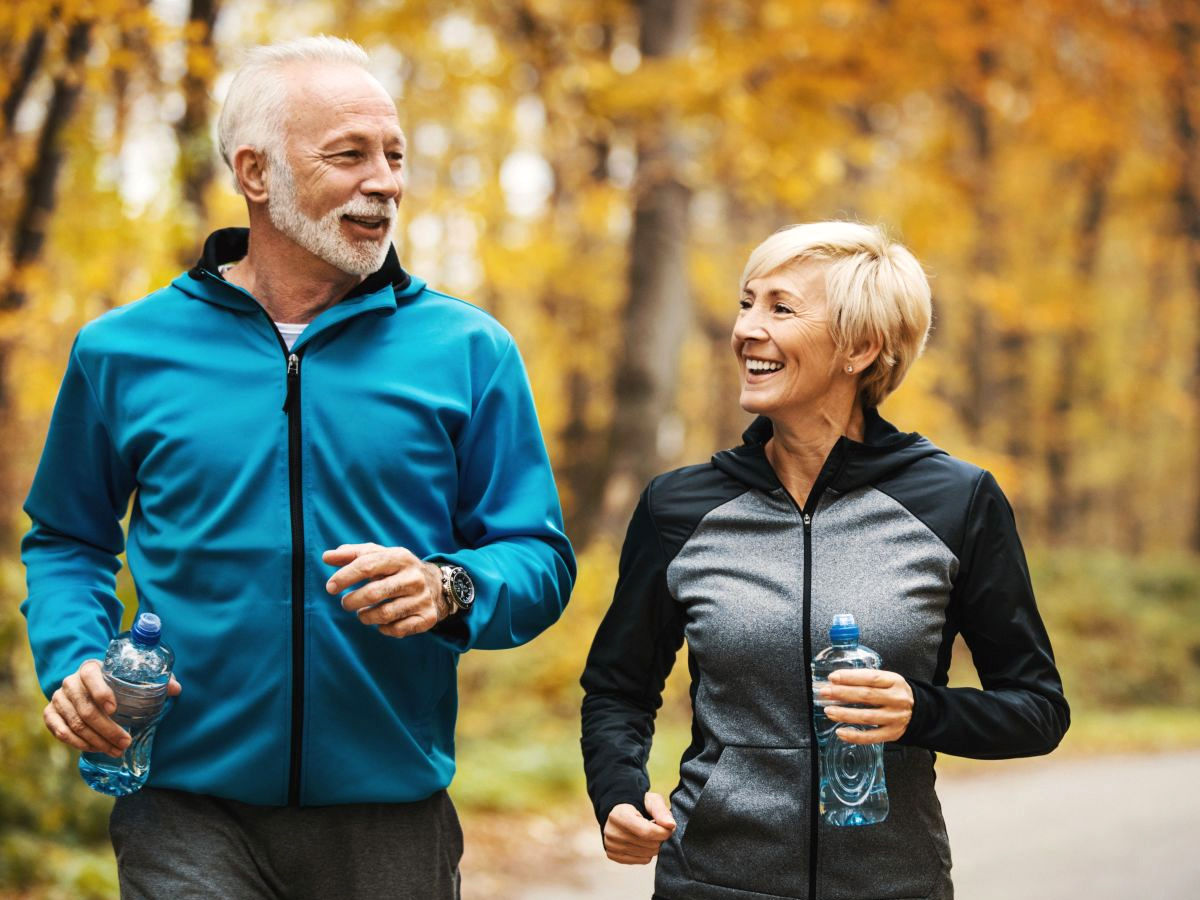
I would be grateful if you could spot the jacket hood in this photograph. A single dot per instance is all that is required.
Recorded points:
(228, 245)
(851, 464)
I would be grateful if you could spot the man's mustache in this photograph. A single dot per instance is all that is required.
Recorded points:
(362, 207)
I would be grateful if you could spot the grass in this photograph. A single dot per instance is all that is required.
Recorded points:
(1101, 733)
(546, 774)
(34, 867)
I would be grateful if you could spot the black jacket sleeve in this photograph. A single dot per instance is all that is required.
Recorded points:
(631, 656)
(1021, 710)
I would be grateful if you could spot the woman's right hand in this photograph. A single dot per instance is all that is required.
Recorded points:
(631, 838)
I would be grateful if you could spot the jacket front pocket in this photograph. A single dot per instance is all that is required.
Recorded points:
(898, 858)
(749, 829)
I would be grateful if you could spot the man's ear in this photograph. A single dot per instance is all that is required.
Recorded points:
(249, 167)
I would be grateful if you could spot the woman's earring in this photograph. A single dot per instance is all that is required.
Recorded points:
(849, 368)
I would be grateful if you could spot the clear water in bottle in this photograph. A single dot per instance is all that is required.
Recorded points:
(852, 786)
(137, 667)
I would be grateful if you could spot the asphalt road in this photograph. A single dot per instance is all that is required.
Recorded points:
(1110, 828)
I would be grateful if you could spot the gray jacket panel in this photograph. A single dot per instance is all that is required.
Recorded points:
(742, 806)
(920, 547)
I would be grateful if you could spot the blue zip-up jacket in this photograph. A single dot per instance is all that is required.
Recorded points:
(401, 416)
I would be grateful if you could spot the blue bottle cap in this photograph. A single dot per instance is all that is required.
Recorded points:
(844, 629)
(147, 629)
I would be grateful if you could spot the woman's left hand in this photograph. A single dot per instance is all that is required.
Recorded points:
(887, 695)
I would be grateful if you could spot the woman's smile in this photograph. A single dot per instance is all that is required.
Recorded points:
(759, 370)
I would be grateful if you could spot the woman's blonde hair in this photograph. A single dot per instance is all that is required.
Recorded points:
(876, 290)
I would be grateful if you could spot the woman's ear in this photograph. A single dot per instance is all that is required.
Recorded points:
(249, 167)
(864, 353)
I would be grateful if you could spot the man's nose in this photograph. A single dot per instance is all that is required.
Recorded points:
(382, 180)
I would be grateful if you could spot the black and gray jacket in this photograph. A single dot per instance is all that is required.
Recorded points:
(919, 547)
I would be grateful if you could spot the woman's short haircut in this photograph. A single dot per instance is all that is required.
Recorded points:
(876, 290)
(255, 110)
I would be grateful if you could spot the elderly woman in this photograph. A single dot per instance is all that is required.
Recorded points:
(825, 509)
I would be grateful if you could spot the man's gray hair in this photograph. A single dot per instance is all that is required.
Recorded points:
(255, 109)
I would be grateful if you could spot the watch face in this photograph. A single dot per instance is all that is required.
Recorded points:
(463, 587)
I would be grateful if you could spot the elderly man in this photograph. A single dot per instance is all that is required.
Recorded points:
(340, 487)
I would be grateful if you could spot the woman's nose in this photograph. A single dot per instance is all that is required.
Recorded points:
(748, 326)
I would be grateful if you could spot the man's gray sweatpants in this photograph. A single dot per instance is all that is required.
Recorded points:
(181, 846)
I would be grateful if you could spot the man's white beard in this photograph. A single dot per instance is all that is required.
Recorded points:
(323, 237)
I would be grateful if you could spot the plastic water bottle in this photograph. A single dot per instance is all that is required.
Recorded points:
(852, 786)
(137, 667)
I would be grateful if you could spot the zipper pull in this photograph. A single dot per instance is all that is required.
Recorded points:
(293, 380)
(807, 520)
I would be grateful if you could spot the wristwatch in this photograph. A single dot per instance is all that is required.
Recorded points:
(457, 588)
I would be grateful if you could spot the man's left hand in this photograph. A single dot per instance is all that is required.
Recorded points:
(402, 594)
(887, 696)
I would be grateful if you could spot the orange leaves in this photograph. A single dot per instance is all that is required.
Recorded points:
(976, 130)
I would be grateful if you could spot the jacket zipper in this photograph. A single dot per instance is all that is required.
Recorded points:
(814, 778)
(291, 406)
(814, 784)
(827, 475)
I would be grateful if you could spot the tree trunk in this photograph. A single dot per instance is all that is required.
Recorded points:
(138, 45)
(31, 58)
(657, 309)
(1184, 30)
(975, 407)
(196, 168)
(583, 441)
(1066, 506)
(39, 197)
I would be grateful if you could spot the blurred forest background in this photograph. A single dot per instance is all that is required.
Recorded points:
(595, 174)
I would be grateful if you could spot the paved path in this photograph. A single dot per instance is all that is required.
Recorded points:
(1112, 828)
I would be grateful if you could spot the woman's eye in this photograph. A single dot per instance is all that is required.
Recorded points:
(783, 310)
(744, 303)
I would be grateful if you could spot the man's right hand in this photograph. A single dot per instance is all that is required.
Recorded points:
(631, 838)
(79, 713)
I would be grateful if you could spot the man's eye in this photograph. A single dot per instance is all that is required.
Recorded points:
(350, 154)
